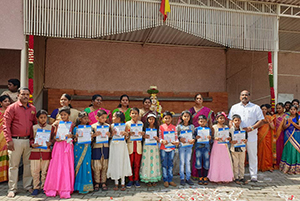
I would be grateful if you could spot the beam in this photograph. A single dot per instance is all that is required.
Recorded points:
(23, 65)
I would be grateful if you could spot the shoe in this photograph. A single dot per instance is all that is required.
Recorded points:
(253, 179)
(189, 182)
(244, 181)
(172, 184)
(129, 184)
(237, 181)
(137, 184)
(166, 184)
(182, 182)
(200, 182)
(35, 192)
(205, 180)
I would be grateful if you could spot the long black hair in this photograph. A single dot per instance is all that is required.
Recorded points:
(156, 124)
(81, 115)
(3, 97)
(186, 112)
(94, 97)
(297, 115)
(121, 97)
(67, 96)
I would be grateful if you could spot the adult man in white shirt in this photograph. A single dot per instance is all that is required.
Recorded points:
(252, 117)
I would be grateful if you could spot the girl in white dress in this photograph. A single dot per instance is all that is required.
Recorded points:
(119, 162)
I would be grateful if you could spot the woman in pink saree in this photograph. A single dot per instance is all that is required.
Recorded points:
(197, 110)
(279, 133)
(95, 107)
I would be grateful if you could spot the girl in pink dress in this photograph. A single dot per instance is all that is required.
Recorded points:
(220, 160)
(60, 178)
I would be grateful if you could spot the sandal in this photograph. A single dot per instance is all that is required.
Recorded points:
(116, 188)
(96, 188)
(104, 187)
(200, 182)
(205, 180)
(149, 184)
(123, 188)
(154, 184)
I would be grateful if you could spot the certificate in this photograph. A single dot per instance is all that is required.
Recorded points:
(42, 136)
(188, 135)
(84, 134)
(169, 136)
(151, 132)
(103, 138)
(119, 127)
(223, 133)
(239, 136)
(203, 132)
(136, 128)
(63, 129)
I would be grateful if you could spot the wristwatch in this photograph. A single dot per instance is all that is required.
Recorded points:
(252, 128)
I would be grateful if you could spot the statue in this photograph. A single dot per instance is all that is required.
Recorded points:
(155, 105)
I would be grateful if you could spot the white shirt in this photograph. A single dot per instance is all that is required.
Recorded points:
(250, 114)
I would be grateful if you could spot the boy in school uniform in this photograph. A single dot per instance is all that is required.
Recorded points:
(40, 158)
(238, 153)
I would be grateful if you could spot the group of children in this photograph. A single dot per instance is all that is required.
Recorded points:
(86, 167)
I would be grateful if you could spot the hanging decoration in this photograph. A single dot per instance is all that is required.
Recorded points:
(30, 65)
(271, 81)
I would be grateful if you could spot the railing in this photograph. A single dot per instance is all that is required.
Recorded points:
(231, 23)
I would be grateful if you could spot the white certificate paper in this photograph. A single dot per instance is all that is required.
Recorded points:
(224, 134)
(136, 128)
(42, 136)
(151, 132)
(239, 136)
(169, 136)
(119, 127)
(84, 134)
(63, 129)
(203, 132)
(188, 135)
(103, 138)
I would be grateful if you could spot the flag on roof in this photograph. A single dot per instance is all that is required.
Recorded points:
(165, 8)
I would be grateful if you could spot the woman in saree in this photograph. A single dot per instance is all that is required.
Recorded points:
(65, 101)
(197, 110)
(124, 107)
(265, 141)
(145, 111)
(278, 134)
(290, 160)
(4, 102)
(95, 107)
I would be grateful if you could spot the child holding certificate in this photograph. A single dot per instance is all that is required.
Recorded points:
(82, 153)
(100, 150)
(238, 152)
(150, 171)
(185, 130)
(220, 161)
(168, 141)
(119, 162)
(202, 149)
(135, 128)
(40, 156)
(60, 177)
